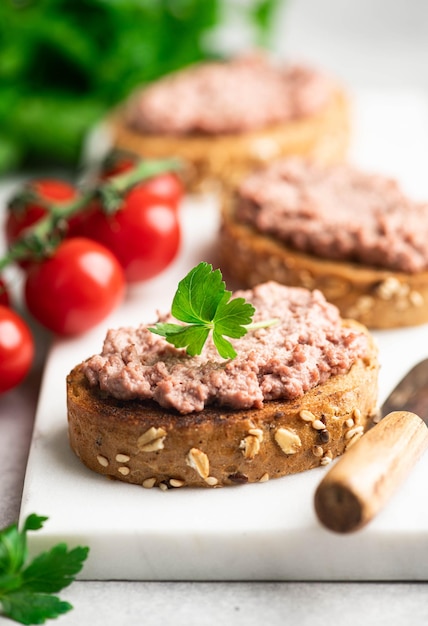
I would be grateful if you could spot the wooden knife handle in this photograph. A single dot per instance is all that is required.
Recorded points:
(361, 481)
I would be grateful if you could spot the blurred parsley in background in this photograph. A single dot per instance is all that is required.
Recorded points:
(64, 63)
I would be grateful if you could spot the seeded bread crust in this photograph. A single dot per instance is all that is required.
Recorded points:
(377, 298)
(225, 159)
(142, 443)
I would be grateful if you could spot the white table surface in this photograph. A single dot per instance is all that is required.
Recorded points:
(372, 42)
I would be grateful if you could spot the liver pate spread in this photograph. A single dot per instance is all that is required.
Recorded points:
(244, 94)
(337, 213)
(283, 361)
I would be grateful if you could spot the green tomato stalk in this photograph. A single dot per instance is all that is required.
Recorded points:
(41, 239)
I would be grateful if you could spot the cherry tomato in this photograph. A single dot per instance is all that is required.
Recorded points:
(76, 288)
(22, 213)
(144, 234)
(165, 187)
(16, 349)
(4, 294)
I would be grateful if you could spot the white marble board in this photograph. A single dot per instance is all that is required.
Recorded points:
(265, 531)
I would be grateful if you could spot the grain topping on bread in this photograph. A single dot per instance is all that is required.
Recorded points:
(337, 213)
(307, 346)
(244, 94)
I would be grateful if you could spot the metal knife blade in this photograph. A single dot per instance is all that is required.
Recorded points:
(411, 393)
(365, 477)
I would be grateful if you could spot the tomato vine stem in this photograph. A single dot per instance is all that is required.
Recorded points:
(42, 238)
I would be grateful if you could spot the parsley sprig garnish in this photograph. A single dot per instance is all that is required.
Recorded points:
(204, 305)
(26, 589)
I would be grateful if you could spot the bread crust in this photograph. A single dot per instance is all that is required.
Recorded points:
(225, 159)
(377, 298)
(142, 443)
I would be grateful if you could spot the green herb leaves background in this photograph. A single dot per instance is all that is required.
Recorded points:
(64, 63)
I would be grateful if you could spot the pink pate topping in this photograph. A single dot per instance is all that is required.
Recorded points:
(283, 361)
(338, 213)
(244, 94)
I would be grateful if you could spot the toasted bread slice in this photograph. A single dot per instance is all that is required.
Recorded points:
(142, 443)
(224, 159)
(378, 298)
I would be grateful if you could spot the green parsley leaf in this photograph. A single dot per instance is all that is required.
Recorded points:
(13, 544)
(52, 571)
(191, 337)
(25, 588)
(30, 608)
(198, 295)
(204, 304)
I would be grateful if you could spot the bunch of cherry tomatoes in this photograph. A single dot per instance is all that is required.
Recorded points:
(78, 249)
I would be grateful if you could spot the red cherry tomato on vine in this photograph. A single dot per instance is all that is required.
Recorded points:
(22, 213)
(144, 234)
(166, 187)
(76, 288)
(16, 349)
